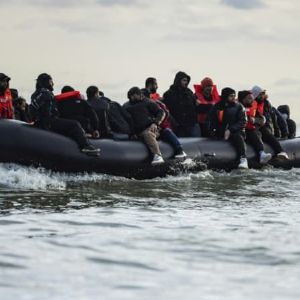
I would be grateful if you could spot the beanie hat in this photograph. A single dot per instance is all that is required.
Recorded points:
(206, 82)
(4, 77)
(134, 90)
(242, 95)
(256, 90)
(67, 89)
(226, 92)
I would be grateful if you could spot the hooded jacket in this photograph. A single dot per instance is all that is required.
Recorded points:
(225, 115)
(181, 102)
(143, 113)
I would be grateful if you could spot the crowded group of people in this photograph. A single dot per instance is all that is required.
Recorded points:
(246, 117)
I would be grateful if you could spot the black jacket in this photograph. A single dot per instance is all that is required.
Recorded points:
(43, 107)
(181, 102)
(79, 110)
(234, 118)
(143, 113)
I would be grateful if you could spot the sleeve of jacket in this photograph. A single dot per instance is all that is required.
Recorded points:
(157, 112)
(92, 116)
(281, 127)
(241, 120)
(212, 120)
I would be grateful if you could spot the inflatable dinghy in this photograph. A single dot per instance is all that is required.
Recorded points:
(24, 144)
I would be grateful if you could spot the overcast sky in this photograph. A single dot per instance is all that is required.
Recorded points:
(116, 44)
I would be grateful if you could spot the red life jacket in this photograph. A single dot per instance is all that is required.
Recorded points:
(166, 123)
(261, 107)
(203, 101)
(6, 106)
(155, 96)
(220, 116)
(68, 95)
(251, 113)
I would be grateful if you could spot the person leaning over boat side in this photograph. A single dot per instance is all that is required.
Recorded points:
(115, 122)
(254, 121)
(265, 108)
(146, 117)
(46, 115)
(166, 132)
(72, 106)
(6, 105)
(207, 96)
(227, 120)
(182, 105)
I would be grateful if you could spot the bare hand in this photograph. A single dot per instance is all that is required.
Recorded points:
(226, 134)
(153, 127)
(96, 134)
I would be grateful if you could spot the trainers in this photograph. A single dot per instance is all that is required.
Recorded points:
(243, 163)
(157, 159)
(283, 155)
(180, 154)
(89, 149)
(264, 157)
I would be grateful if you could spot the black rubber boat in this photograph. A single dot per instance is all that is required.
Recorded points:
(24, 144)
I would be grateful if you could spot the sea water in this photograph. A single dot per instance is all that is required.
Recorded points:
(211, 235)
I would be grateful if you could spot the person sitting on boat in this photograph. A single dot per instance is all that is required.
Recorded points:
(254, 121)
(182, 105)
(285, 112)
(21, 110)
(72, 106)
(166, 132)
(264, 107)
(6, 105)
(147, 117)
(46, 116)
(207, 96)
(115, 122)
(227, 120)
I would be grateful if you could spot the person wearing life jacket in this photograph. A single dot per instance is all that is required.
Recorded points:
(46, 116)
(147, 117)
(165, 129)
(6, 105)
(227, 120)
(207, 96)
(182, 105)
(292, 127)
(264, 107)
(254, 121)
(115, 122)
(72, 106)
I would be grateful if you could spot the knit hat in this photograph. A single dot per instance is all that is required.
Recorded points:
(206, 82)
(4, 77)
(242, 95)
(226, 92)
(134, 90)
(256, 90)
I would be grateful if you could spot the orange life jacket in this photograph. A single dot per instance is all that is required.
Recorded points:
(68, 95)
(261, 107)
(203, 101)
(251, 113)
(6, 106)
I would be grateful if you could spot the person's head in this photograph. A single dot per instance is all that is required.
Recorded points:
(20, 103)
(228, 95)
(4, 82)
(182, 80)
(14, 93)
(258, 93)
(135, 94)
(92, 92)
(67, 89)
(246, 98)
(151, 85)
(45, 81)
(207, 87)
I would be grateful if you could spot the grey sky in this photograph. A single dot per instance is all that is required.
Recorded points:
(117, 44)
